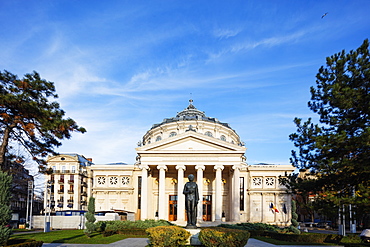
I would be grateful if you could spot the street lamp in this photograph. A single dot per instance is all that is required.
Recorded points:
(29, 204)
(47, 207)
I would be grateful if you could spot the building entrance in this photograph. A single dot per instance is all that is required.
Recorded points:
(172, 212)
(207, 208)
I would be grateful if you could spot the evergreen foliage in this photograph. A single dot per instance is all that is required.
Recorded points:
(294, 218)
(28, 118)
(90, 217)
(336, 150)
(5, 212)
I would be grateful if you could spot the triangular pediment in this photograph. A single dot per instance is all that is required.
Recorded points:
(191, 141)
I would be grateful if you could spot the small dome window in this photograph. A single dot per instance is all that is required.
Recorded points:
(208, 133)
(158, 138)
(223, 138)
(172, 134)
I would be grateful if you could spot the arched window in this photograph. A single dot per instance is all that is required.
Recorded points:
(158, 138)
(172, 134)
(208, 133)
(223, 138)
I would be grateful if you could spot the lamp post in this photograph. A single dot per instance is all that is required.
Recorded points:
(29, 202)
(47, 207)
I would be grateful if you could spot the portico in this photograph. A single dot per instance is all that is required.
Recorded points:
(191, 143)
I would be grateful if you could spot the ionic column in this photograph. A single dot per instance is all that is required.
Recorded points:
(263, 211)
(144, 191)
(236, 195)
(218, 201)
(200, 169)
(162, 192)
(180, 196)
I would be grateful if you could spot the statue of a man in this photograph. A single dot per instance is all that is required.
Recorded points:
(191, 201)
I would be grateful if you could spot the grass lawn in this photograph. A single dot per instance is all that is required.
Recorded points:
(71, 237)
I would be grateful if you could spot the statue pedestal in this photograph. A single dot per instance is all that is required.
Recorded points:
(193, 239)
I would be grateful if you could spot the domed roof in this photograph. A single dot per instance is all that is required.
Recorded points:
(190, 113)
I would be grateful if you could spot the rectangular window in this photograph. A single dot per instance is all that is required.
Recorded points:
(73, 169)
(241, 186)
(139, 193)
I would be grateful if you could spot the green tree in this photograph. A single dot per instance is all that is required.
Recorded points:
(336, 150)
(5, 213)
(90, 217)
(294, 221)
(28, 118)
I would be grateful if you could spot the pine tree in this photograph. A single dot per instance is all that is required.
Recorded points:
(90, 217)
(5, 212)
(336, 151)
(28, 118)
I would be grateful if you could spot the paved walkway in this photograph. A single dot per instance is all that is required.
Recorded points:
(142, 242)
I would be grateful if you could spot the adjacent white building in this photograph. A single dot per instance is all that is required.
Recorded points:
(190, 143)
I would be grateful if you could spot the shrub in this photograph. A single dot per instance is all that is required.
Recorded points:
(294, 230)
(167, 236)
(136, 232)
(304, 238)
(357, 245)
(257, 229)
(219, 236)
(5, 212)
(294, 216)
(27, 243)
(90, 226)
(100, 226)
(113, 227)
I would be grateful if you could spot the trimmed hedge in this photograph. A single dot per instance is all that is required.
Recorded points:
(256, 228)
(139, 224)
(356, 244)
(27, 244)
(164, 236)
(136, 232)
(305, 238)
(108, 228)
(223, 237)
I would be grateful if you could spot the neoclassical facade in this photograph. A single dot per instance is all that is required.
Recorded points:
(190, 143)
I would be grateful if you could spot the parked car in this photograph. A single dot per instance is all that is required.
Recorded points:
(324, 224)
(365, 235)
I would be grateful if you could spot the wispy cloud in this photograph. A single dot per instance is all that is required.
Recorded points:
(226, 33)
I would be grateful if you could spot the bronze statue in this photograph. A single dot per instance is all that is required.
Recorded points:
(191, 202)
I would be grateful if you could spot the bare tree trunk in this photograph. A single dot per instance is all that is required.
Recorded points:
(4, 145)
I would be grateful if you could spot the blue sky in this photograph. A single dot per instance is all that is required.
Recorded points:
(121, 66)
